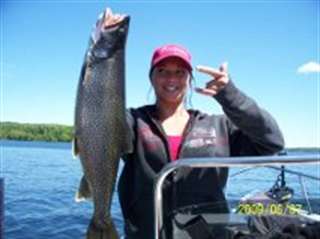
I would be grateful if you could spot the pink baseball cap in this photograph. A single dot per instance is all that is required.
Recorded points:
(171, 50)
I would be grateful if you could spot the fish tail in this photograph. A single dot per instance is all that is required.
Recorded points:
(102, 230)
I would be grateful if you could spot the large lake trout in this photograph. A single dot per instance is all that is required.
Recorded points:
(100, 123)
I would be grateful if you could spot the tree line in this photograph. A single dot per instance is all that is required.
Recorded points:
(41, 132)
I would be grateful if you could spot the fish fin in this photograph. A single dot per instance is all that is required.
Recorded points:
(84, 191)
(103, 230)
(75, 149)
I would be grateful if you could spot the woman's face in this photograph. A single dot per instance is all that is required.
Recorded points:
(170, 80)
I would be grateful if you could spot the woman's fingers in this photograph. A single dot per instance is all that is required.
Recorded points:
(107, 16)
(224, 67)
(210, 71)
(211, 91)
(219, 81)
(213, 83)
(205, 91)
(106, 19)
(111, 19)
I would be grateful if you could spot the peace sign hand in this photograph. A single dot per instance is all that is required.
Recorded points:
(217, 83)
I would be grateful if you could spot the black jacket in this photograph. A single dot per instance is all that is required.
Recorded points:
(245, 129)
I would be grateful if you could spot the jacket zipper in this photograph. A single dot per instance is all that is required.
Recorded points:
(185, 134)
(162, 134)
(174, 178)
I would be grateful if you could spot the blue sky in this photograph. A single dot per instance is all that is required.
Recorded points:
(265, 42)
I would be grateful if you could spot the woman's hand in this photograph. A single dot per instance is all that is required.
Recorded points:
(109, 19)
(106, 19)
(219, 80)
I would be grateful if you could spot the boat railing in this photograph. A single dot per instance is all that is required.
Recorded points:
(252, 161)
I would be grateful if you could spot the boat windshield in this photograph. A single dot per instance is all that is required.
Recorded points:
(261, 200)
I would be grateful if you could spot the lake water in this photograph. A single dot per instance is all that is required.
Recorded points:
(41, 180)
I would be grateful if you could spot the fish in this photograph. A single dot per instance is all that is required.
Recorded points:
(100, 128)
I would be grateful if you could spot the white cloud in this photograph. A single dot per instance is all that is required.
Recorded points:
(310, 67)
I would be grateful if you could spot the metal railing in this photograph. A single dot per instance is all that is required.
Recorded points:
(259, 161)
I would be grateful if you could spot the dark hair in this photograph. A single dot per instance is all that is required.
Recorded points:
(189, 97)
(150, 72)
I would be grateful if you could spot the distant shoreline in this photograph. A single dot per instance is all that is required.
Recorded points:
(35, 132)
(59, 133)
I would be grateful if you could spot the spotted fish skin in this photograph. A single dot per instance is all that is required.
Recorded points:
(100, 135)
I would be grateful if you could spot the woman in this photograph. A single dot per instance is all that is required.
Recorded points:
(168, 131)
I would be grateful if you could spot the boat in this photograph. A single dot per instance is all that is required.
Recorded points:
(258, 214)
